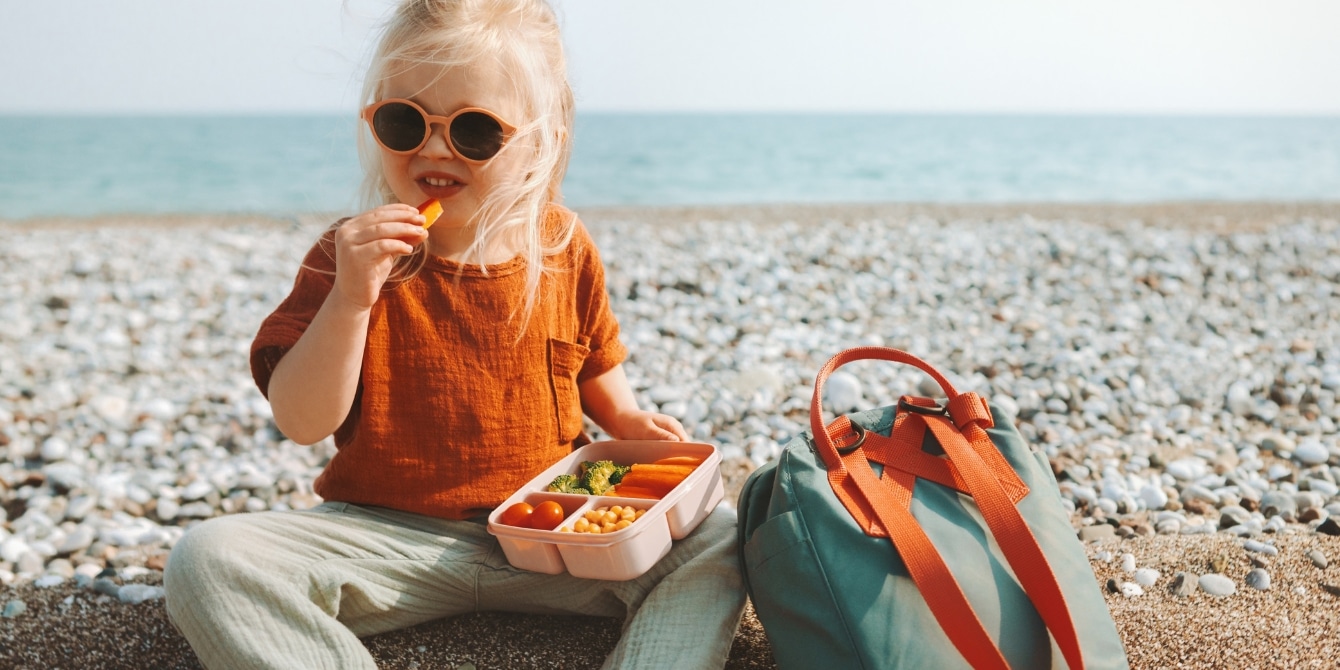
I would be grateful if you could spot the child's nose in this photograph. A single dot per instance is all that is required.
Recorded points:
(438, 145)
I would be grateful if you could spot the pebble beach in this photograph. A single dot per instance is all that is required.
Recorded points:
(1179, 364)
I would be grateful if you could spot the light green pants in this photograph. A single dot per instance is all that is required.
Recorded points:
(291, 590)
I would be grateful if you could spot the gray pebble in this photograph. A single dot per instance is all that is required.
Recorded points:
(1097, 531)
(1261, 548)
(137, 593)
(106, 586)
(1258, 579)
(1184, 584)
(14, 608)
(1318, 559)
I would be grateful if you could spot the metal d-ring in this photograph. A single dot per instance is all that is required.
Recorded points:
(860, 439)
(926, 411)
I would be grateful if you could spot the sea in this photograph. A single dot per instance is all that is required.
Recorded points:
(59, 166)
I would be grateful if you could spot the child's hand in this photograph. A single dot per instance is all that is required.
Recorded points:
(644, 425)
(366, 248)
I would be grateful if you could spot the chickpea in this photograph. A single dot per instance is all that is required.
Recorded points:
(608, 518)
(608, 527)
(640, 513)
(623, 523)
(581, 525)
(593, 515)
(565, 529)
(628, 514)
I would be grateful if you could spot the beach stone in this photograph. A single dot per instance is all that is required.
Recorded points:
(1131, 590)
(1309, 515)
(1217, 585)
(1308, 500)
(1198, 492)
(1112, 586)
(1154, 497)
(1311, 452)
(14, 608)
(48, 581)
(842, 392)
(54, 449)
(1258, 579)
(1318, 559)
(1146, 577)
(1322, 487)
(1098, 531)
(137, 593)
(1329, 527)
(196, 510)
(1184, 584)
(1277, 442)
(1260, 548)
(1232, 515)
(79, 539)
(1278, 503)
(1279, 472)
(106, 586)
(1168, 527)
(1188, 468)
(1128, 563)
(29, 563)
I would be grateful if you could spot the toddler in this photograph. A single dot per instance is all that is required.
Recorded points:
(451, 364)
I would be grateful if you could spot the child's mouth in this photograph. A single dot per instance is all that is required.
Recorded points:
(439, 187)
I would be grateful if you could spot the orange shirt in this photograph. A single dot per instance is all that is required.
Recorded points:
(453, 413)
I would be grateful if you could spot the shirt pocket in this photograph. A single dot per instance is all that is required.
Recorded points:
(565, 361)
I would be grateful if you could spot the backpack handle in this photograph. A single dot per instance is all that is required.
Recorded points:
(822, 439)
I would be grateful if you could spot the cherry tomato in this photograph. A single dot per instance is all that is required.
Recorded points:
(517, 515)
(547, 516)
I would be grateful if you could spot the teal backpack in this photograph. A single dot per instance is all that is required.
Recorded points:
(921, 535)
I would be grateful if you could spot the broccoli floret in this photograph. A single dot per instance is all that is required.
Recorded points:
(568, 484)
(619, 472)
(596, 476)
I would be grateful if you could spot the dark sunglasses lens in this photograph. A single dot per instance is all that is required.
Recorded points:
(398, 126)
(476, 136)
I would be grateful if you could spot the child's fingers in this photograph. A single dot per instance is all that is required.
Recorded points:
(670, 426)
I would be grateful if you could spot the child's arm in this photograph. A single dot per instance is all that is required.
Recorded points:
(314, 384)
(609, 401)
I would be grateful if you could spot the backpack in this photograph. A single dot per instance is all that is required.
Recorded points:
(920, 535)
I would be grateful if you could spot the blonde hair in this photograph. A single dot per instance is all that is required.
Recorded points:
(522, 38)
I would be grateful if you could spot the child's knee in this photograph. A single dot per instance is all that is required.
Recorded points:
(208, 551)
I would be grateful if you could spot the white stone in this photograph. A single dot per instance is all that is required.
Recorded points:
(55, 449)
(1311, 452)
(1153, 497)
(842, 393)
(1131, 590)
(137, 593)
(1128, 563)
(1217, 585)
(1146, 577)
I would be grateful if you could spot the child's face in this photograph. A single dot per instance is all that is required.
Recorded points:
(434, 171)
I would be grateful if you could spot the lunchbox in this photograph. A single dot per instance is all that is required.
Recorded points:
(623, 554)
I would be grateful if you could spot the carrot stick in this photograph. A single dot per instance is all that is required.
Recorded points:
(682, 470)
(657, 481)
(693, 461)
(625, 491)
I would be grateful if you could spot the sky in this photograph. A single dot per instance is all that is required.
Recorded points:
(1222, 57)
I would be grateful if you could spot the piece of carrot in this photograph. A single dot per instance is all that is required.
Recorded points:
(625, 491)
(692, 461)
(682, 470)
(661, 482)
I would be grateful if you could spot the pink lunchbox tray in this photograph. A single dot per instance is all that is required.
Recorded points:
(623, 554)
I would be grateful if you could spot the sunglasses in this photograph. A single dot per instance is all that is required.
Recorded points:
(402, 127)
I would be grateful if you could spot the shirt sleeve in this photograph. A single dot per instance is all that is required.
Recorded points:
(598, 324)
(281, 330)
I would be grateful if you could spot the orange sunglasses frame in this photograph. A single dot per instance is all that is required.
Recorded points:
(429, 121)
